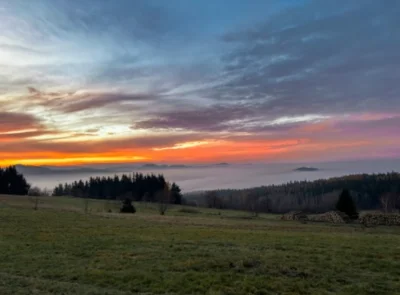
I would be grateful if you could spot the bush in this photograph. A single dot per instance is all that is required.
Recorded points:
(346, 204)
(127, 207)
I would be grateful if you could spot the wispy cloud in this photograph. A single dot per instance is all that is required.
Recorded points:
(154, 79)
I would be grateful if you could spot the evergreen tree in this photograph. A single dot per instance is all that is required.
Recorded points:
(59, 190)
(12, 182)
(346, 204)
(138, 187)
(176, 195)
(127, 207)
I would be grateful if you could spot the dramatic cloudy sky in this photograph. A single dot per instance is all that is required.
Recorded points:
(198, 81)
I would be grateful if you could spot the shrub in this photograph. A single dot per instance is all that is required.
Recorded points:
(127, 207)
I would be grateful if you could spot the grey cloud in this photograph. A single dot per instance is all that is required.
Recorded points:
(327, 57)
(92, 130)
(156, 141)
(10, 121)
(93, 101)
(33, 90)
(131, 144)
(316, 60)
(198, 119)
(17, 137)
(70, 102)
(237, 118)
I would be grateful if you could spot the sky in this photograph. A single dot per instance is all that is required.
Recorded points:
(101, 81)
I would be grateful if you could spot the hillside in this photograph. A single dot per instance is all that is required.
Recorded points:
(320, 195)
(60, 250)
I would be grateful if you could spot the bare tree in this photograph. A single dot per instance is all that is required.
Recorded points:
(164, 198)
(388, 201)
(34, 194)
(47, 192)
(34, 191)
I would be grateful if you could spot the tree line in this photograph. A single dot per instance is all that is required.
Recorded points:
(369, 191)
(321, 195)
(137, 187)
(12, 182)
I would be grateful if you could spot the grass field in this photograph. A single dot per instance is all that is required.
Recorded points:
(60, 250)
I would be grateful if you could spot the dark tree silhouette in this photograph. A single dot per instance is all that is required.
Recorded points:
(211, 199)
(137, 187)
(176, 195)
(164, 199)
(12, 182)
(346, 204)
(127, 207)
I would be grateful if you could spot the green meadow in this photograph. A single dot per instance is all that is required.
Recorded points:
(60, 249)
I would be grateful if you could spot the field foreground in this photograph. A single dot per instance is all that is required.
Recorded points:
(60, 250)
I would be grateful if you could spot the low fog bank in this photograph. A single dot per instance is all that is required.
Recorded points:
(235, 175)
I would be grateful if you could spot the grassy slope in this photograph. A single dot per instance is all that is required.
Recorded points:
(59, 250)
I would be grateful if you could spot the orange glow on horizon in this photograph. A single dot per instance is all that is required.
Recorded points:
(70, 161)
(192, 152)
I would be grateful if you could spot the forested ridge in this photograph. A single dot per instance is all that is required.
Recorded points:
(318, 195)
(314, 196)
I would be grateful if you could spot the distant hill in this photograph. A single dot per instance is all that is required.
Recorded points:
(38, 170)
(315, 196)
(306, 169)
(45, 170)
(162, 166)
(33, 169)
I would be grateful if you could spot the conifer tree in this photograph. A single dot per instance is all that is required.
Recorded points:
(346, 204)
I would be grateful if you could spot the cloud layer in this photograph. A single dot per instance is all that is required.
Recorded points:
(191, 82)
